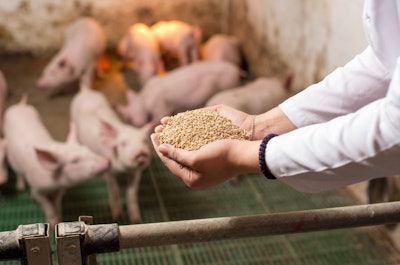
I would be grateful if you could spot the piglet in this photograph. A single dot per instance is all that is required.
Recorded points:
(127, 147)
(141, 46)
(3, 143)
(255, 97)
(222, 47)
(48, 166)
(84, 43)
(178, 40)
(185, 88)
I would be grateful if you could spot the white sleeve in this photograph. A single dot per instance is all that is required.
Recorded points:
(348, 149)
(345, 90)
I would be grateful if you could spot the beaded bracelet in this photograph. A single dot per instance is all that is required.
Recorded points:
(261, 157)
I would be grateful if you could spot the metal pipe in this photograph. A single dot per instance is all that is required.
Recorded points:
(157, 234)
(9, 246)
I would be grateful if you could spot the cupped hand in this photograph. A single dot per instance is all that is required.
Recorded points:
(212, 164)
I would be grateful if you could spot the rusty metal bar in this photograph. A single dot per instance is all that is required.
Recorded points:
(157, 234)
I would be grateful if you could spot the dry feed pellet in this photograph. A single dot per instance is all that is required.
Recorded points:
(192, 129)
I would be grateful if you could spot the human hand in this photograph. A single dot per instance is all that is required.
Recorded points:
(212, 164)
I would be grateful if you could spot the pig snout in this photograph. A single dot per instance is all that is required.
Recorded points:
(142, 158)
(42, 83)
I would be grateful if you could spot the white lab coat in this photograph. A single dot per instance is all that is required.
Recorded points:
(349, 123)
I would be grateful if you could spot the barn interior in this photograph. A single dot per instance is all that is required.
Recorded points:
(307, 39)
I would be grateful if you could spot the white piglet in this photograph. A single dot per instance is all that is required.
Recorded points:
(100, 129)
(255, 97)
(222, 47)
(140, 50)
(48, 166)
(188, 87)
(3, 142)
(84, 43)
(178, 40)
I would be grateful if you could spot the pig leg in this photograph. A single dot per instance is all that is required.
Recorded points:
(133, 181)
(113, 195)
(193, 54)
(57, 199)
(86, 79)
(20, 183)
(48, 207)
(184, 56)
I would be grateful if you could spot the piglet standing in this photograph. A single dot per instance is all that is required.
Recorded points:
(255, 97)
(178, 40)
(48, 166)
(222, 47)
(3, 143)
(84, 43)
(141, 47)
(188, 87)
(127, 147)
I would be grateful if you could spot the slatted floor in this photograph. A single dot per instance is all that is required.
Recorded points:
(164, 198)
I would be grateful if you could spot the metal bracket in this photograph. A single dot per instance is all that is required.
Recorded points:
(78, 242)
(28, 243)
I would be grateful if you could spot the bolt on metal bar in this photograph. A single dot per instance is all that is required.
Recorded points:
(157, 234)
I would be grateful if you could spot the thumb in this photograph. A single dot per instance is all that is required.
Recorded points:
(176, 154)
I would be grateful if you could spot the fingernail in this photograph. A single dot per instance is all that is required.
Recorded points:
(163, 149)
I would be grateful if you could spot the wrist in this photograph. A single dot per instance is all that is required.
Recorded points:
(261, 157)
(244, 156)
(273, 121)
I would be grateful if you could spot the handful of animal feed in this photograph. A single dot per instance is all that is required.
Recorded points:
(192, 129)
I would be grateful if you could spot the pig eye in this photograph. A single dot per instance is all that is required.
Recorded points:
(62, 63)
(75, 161)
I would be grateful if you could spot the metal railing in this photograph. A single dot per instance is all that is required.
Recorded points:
(79, 242)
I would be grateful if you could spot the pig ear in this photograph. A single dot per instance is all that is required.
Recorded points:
(47, 159)
(108, 133)
(72, 138)
(148, 127)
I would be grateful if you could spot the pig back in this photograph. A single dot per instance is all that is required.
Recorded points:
(87, 109)
(87, 36)
(23, 128)
(253, 98)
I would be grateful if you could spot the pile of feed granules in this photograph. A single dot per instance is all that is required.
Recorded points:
(192, 129)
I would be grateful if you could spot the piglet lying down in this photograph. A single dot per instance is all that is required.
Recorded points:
(48, 166)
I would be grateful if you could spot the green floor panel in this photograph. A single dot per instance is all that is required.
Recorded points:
(163, 197)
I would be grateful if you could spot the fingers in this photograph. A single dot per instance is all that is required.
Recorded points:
(171, 158)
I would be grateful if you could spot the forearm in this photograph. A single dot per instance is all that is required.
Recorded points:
(347, 89)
